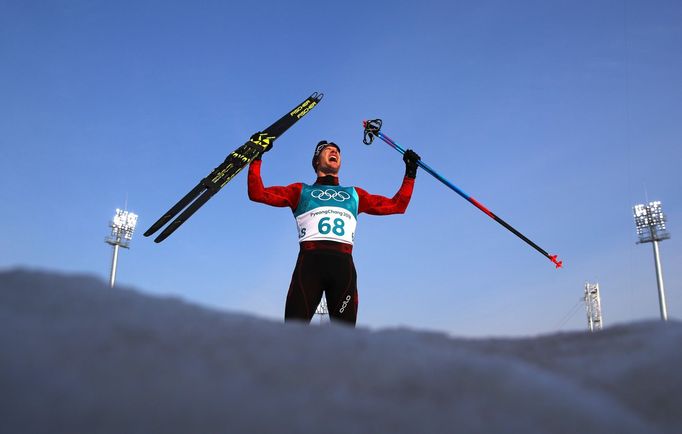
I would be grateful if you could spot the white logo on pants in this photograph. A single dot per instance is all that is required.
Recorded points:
(345, 303)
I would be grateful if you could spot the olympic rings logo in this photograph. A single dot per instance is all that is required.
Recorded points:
(328, 194)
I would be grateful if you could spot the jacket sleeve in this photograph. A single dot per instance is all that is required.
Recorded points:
(275, 196)
(379, 205)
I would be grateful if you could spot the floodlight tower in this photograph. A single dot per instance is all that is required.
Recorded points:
(650, 222)
(322, 310)
(122, 227)
(593, 306)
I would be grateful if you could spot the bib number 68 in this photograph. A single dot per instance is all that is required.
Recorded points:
(324, 227)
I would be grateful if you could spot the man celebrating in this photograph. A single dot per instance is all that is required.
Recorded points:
(326, 216)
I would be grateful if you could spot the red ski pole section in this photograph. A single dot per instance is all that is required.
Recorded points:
(554, 259)
(480, 206)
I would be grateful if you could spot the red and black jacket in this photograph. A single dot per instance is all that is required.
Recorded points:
(288, 196)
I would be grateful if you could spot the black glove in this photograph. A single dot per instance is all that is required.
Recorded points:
(257, 138)
(410, 158)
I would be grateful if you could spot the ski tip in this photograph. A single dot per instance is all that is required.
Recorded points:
(317, 96)
(163, 235)
(556, 261)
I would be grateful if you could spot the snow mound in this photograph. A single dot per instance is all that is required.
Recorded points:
(79, 357)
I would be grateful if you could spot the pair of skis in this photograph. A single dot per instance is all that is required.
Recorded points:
(228, 169)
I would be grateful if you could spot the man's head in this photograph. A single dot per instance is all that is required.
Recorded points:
(327, 158)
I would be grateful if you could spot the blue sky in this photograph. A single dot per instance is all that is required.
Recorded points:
(559, 116)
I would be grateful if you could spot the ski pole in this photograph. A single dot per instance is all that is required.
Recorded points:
(373, 128)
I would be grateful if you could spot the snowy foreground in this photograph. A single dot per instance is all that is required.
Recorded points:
(78, 357)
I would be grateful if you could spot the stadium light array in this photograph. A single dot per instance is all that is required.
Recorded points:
(122, 228)
(651, 228)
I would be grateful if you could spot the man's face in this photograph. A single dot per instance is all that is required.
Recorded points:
(329, 161)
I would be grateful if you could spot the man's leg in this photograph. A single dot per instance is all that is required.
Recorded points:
(305, 290)
(341, 288)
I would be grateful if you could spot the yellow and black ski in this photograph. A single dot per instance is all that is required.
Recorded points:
(228, 169)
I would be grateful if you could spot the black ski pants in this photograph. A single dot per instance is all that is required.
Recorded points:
(323, 271)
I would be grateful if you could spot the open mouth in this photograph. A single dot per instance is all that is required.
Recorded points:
(334, 159)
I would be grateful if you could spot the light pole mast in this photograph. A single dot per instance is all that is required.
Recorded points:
(650, 222)
(593, 307)
(322, 310)
(122, 228)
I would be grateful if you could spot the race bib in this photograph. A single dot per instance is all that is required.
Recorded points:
(327, 213)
